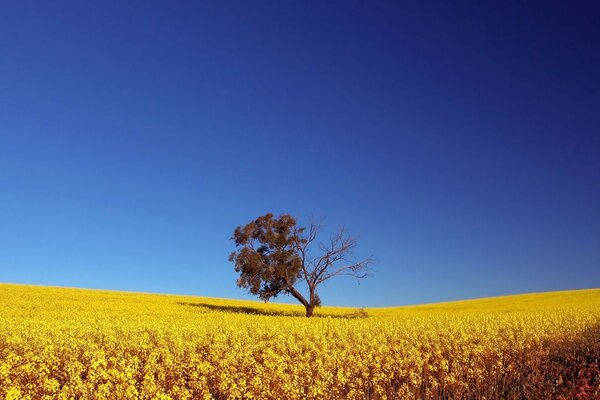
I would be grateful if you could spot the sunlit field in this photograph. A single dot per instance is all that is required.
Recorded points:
(58, 343)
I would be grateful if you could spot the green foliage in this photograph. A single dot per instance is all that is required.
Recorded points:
(268, 260)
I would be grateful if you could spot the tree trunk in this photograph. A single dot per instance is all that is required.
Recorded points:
(310, 307)
(309, 310)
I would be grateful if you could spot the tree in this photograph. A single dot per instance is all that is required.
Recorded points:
(275, 254)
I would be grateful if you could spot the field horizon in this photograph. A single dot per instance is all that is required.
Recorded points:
(540, 297)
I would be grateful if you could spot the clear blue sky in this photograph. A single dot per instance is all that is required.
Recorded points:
(460, 141)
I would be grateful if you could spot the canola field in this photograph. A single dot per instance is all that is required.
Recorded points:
(58, 343)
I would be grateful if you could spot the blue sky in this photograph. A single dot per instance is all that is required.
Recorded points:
(459, 141)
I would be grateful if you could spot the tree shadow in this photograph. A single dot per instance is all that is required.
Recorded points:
(274, 313)
(243, 310)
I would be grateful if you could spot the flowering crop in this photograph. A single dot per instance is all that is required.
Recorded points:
(81, 344)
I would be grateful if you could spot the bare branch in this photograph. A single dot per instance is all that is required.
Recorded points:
(304, 246)
(358, 270)
(338, 259)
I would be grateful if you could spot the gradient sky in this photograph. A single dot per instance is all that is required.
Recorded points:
(459, 141)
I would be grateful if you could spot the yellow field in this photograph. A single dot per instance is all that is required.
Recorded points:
(85, 344)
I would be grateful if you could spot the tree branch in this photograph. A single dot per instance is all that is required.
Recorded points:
(338, 260)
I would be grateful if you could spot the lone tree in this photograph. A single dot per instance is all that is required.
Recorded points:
(274, 254)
